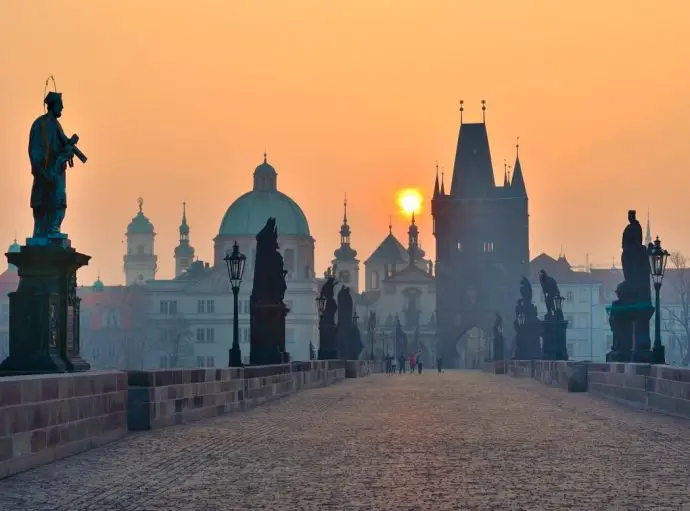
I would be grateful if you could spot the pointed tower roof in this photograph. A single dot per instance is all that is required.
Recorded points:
(473, 175)
(518, 183)
(345, 252)
(443, 184)
(390, 250)
(648, 234)
(506, 180)
(184, 227)
(436, 187)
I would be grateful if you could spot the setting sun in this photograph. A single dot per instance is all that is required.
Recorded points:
(410, 200)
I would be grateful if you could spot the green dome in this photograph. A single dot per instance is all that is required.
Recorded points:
(98, 285)
(248, 214)
(14, 247)
(140, 224)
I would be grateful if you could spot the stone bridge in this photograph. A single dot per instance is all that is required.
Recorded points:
(457, 440)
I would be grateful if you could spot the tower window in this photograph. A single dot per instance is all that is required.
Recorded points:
(488, 246)
(344, 277)
(459, 246)
(374, 280)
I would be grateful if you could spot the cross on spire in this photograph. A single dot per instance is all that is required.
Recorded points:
(345, 209)
(484, 111)
(462, 109)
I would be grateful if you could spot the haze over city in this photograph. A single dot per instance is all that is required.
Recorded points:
(177, 102)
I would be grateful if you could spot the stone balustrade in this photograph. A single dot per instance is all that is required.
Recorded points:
(47, 417)
(658, 388)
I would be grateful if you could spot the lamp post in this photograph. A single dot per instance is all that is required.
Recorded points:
(235, 263)
(657, 262)
(558, 306)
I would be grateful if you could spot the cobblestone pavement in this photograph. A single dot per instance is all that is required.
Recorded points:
(460, 440)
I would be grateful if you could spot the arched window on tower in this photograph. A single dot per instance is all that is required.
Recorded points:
(344, 277)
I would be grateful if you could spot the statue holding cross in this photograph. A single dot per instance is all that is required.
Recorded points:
(50, 152)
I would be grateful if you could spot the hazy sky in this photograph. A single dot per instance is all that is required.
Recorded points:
(175, 101)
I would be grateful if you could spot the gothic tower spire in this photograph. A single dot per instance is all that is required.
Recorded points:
(184, 252)
(346, 260)
(648, 234)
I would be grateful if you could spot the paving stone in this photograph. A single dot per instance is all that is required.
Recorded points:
(459, 440)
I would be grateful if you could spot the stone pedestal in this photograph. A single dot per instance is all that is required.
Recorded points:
(44, 310)
(630, 326)
(327, 342)
(527, 340)
(498, 345)
(554, 346)
(267, 334)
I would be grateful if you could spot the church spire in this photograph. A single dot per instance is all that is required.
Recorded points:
(345, 251)
(648, 234)
(443, 184)
(506, 179)
(184, 252)
(518, 181)
(436, 187)
(184, 227)
(413, 241)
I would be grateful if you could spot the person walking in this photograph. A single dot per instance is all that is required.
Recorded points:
(419, 363)
(439, 364)
(412, 363)
(401, 363)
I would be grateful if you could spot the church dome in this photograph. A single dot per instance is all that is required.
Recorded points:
(98, 285)
(140, 224)
(248, 214)
(14, 247)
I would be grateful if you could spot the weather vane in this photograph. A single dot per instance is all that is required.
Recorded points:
(462, 109)
(483, 111)
(140, 202)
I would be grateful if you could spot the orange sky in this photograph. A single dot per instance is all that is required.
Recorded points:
(176, 100)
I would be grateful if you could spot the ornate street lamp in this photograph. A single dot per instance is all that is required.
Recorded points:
(235, 263)
(657, 262)
(321, 304)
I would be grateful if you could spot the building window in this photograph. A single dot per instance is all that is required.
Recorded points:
(199, 335)
(164, 307)
(344, 277)
(210, 361)
(245, 334)
(571, 349)
(210, 335)
(200, 361)
(210, 306)
(201, 306)
(374, 280)
(488, 246)
(569, 296)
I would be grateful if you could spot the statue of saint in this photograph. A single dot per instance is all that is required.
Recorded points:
(525, 290)
(50, 151)
(269, 277)
(635, 262)
(328, 292)
(550, 288)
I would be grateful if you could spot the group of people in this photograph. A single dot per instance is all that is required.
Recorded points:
(414, 361)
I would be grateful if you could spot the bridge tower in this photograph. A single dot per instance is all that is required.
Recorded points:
(482, 242)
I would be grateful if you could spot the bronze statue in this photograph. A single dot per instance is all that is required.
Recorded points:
(525, 289)
(328, 292)
(269, 279)
(50, 151)
(551, 292)
(635, 262)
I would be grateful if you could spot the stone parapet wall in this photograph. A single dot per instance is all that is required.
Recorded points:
(163, 398)
(658, 388)
(494, 366)
(47, 417)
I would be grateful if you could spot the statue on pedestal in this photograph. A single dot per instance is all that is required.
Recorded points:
(527, 325)
(347, 337)
(629, 315)
(50, 152)
(266, 307)
(44, 309)
(554, 344)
